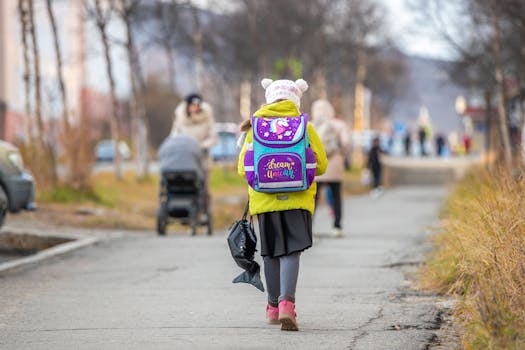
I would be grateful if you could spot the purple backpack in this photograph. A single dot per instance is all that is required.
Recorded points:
(280, 158)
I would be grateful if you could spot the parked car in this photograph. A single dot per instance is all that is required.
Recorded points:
(17, 186)
(226, 147)
(105, 151)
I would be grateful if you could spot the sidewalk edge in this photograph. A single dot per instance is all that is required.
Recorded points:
(58, 250)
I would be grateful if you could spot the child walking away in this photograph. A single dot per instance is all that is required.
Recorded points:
(280, 158)
(375, 167)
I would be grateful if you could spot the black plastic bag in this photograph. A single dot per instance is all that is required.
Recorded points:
(242, 241)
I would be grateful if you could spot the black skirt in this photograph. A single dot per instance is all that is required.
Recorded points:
(285, 232)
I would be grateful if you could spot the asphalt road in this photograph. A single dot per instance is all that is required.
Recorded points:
(140, 291)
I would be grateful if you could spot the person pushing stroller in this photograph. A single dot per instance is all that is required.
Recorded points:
(194, 117)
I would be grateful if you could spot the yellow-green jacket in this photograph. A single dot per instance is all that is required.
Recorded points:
(268, 202)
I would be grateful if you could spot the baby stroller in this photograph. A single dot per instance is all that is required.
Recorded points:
(183, 195)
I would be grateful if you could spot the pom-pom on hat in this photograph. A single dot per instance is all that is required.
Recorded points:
(284, 90)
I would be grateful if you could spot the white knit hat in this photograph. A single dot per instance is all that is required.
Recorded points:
(285, 90)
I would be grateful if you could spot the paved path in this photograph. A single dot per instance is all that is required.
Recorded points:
(144, 292)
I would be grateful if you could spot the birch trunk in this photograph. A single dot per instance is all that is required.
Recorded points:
(114, 123)
(139, 135)
(47, 162)
(22, 12)
(71, 158)
(36, 68)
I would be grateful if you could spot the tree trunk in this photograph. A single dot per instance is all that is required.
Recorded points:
(167, 44)
(359, 91)
(70, 156)
(320, 84)
(114, 123)
(22, 12)
(197, 45)
(142, 138)
(48, 161)
(489, 144)
(170, 57)
(36, 67)
(500, 80)
(245, 99)
(359, 97)
(139, 135)
(522, 128)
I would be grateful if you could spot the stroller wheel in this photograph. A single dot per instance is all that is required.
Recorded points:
(161, 223)
(209, 223)
(194, 224)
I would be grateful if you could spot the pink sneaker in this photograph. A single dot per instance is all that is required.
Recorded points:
(287, 316)
(272, 314)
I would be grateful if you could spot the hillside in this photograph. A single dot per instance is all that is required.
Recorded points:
(428, 85)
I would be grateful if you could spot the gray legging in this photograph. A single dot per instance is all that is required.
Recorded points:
(281, 277)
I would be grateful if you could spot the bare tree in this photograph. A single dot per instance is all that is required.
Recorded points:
(160, 22)
(23, 18)
(490, 27)
(127, 11)
(37, 77)
(197, 46)
(255, 38)
(159, 102)
(500, 80)
(71, 158)
(46, 158)
(167, 13)
(102, 18)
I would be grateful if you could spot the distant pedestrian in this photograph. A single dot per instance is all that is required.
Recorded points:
(375, 167)
(407, 142)
(467, 143)
(422, 133)
(335, 139)
(440, 145)
(284, 213)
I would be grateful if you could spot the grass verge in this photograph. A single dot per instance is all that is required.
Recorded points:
(132, 204)
(480, 258)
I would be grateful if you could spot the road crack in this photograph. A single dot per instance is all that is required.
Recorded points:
(401, 264)
(362, 327)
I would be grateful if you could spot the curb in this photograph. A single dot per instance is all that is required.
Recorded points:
(61, 249)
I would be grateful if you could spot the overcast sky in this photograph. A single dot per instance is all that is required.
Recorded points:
(411, 35)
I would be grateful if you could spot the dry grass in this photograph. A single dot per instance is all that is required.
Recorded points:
(480, 258)
(132, 204)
